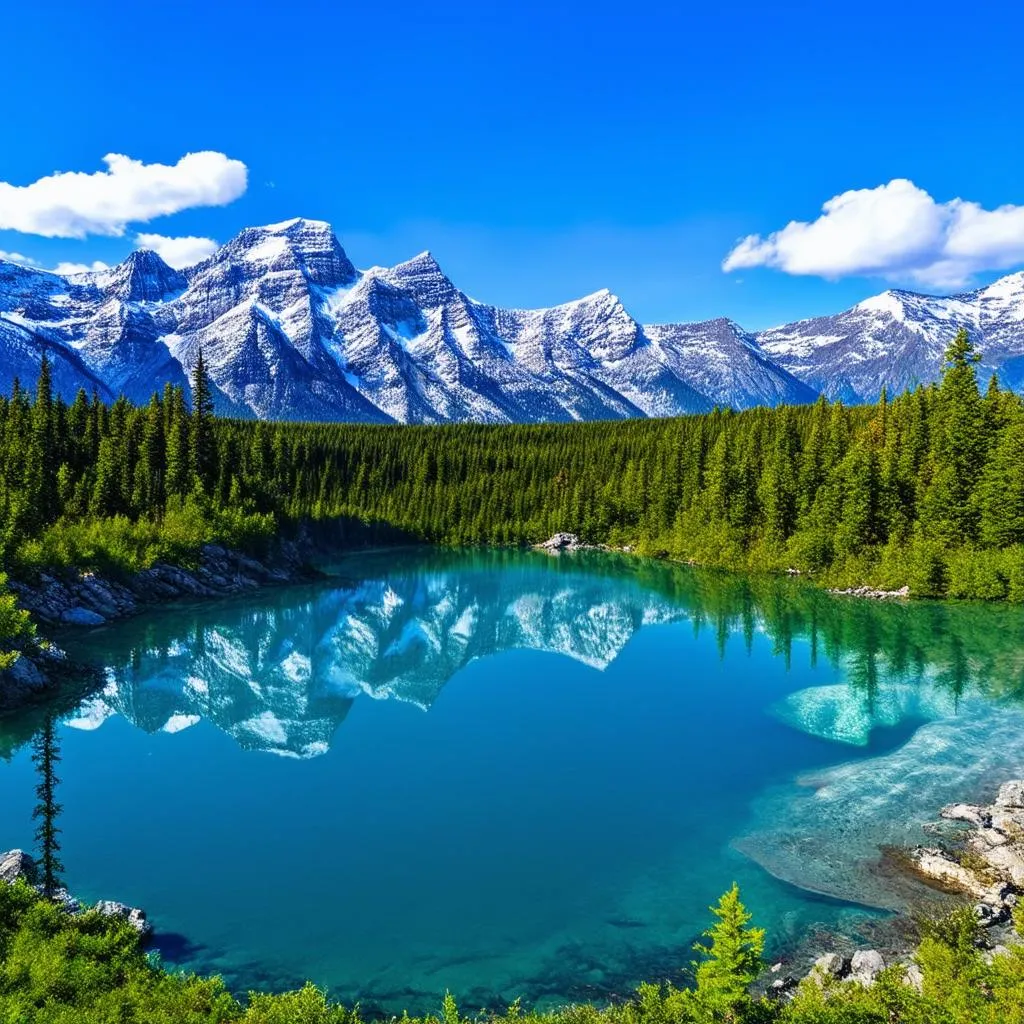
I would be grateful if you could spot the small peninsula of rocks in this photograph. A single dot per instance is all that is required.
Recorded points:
(16, 864)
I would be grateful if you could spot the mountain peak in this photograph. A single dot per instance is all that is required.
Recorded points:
(298, 224)
(423, 278)
(309, 246)
(142, 277)
(421, 263)
(886, 303)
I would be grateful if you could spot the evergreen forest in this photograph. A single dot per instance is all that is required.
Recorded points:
(924, 489)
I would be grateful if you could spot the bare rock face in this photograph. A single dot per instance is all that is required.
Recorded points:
(830, 965)
(970, 813)
(914, 977)
(991, 869)
(873, 593)
(290, 329)
(86, 599)
(939, 866)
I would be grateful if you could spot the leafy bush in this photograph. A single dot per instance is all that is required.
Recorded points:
(16, 629)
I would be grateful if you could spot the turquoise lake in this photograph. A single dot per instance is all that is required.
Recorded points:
(509, 774)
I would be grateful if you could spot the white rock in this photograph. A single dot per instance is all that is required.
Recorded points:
(865, 966)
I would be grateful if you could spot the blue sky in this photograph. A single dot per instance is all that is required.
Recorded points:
(544, 151)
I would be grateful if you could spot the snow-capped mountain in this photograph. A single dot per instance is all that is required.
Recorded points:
(896, 340)
(290, 329)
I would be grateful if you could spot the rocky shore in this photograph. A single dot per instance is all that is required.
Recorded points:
(981, 860)
(16, 864)
(72, 598)
(873, 593)
(569, 542)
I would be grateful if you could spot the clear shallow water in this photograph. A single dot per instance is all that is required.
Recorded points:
(511, 775)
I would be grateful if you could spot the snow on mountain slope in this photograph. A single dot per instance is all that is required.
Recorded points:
(21, 354)
(896, 340)
(727, 364)
(291, 330)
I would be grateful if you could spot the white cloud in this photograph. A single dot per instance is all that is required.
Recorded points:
(73, 204)
(17, 257)
(178, 252)
(897, 231)
(67, 269)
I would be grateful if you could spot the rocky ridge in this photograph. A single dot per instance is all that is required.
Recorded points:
(291, 329)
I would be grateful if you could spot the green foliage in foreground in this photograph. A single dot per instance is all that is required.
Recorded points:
(55, 969)
(925, 490)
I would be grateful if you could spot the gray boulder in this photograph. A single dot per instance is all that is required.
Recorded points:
(133, 915)
(15, 864)
(914, 977)
(561, 542)
(865, 966)
(79, 616)
(970, 813)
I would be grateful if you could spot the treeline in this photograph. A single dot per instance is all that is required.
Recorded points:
(89, 969)
(926, 489)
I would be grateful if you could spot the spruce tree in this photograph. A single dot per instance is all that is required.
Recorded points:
(203, 453)
(733, 959)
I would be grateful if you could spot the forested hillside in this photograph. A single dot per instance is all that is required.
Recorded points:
(926, 488)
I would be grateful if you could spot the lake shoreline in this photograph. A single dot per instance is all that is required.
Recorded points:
(74, 598)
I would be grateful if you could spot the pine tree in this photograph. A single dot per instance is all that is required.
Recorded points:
(960, 446)
(177, 434)
(41, 466)
(733, 959)
(203, 452)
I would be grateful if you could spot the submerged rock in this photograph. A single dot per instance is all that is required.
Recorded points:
(79, 616)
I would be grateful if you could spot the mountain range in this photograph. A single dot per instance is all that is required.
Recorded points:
(290, 329)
